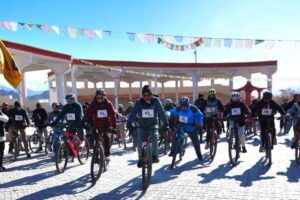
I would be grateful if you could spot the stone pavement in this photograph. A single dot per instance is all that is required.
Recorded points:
(36, 178)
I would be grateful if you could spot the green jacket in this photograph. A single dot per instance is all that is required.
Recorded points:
(73, 114)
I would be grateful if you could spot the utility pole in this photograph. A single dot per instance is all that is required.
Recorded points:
(195, 53)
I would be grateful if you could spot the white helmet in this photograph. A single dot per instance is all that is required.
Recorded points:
(235, 96)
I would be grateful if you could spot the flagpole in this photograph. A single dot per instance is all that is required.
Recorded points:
(195, 53)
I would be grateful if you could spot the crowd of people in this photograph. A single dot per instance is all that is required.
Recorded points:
(150, 114)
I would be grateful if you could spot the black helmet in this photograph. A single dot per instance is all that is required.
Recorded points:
(100, 92)
(70, 96)
(55, 105)
(267, 95)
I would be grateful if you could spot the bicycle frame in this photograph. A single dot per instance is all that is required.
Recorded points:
(70, 140)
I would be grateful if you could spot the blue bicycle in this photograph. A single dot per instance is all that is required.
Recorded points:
(179, 144)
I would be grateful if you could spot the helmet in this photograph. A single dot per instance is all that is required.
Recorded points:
(130, 104)
(184, 101)
(267, 95)
(120, 106)
(168, 101)
(235, 96)
(70, 96)
(212, 92)
(5, 104)
(55, 105)
(100, 92)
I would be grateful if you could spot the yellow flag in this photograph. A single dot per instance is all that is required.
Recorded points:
(9, 69)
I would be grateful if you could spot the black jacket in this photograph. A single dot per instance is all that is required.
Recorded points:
(239, 117)
(200, 104)
(19, 118)
(39, 117)
(258, 109)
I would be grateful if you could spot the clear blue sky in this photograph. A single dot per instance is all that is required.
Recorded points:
(257, 19)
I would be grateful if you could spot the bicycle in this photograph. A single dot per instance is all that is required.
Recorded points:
(17, 144)
(73, 146)
(54, 139)
(49, 142)
(36, 140)
(180, 144)
(99, 162)
(165, 139)
(234, 148)
(213, 140)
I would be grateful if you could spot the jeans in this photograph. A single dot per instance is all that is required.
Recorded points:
(195, 140)
(142, 133)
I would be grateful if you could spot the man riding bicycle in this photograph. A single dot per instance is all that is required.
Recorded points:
(19, 121)
(149, 109)
(73, 114)
(265, 109)
(101, 114)
(39, 117)
(213, 108)
(190, 119)
(294, 113)
(236, 112)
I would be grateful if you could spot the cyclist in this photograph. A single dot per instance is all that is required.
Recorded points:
(236, 112)
(73, 113)
(200, 104)
(101, 114)
(129, 108)
(254, 122)
(19, 121)
(284, 106)
(294, 112)
(149, 109)
(266, 109)
(120, 109)
(213, 108)
(3, 119)
(191, 119)
(39, 117)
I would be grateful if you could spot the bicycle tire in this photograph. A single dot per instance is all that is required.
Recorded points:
(62, 153)
(34, 142)
(16, 148)
(147, 167)
(213, 146)
(182, 150)
(48, 144)
(82, 158)
(269, 148)
(233, 148)
(176, 150)
(97, 160)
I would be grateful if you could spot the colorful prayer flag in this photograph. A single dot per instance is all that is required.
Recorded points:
(227, 42)
(131, 36)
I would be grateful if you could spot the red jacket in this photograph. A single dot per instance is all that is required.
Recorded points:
(101, 115)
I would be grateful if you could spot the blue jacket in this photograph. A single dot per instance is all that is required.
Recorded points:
(188, 118)
(295, 112)
(148, 114)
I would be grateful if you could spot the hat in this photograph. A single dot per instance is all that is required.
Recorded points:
(17, 104)
(146, 89)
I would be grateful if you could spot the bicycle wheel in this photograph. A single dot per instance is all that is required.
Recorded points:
(147, 167)
(233, 148)
(16, 148)
(213, 146)
(97, 163)
(34, 142)
(48, 144)
(183, 147)
(269, 147)
(83, 151)
(61, 159)
(175, 150)
(297, 151)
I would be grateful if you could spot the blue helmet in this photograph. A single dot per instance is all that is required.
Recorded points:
(70, 96)
(100, 92)
(184, 101)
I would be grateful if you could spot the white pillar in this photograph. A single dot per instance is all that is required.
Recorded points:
(60, 87)
(141, 87)
(231, 83)
(195, 86)
(163, 90)
(177, 93)
(116, 91)
(22, 90)
(130, 91)
(269, 82)
(155, 85)
(74, 84)
(103, 85)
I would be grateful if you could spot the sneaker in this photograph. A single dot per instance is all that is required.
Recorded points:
(140, 163)
(155, 159)
(244, 150)
(275, 141)
(200, 158)
(207, 145)
(2, 169)
(28, 155)
(261, 149)
(293, 146)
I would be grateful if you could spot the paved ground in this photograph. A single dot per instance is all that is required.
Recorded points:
(36, 178)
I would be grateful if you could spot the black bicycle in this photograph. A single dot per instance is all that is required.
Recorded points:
(99, 163)
(234, 147)
(179, 145)
(17, 144)
(49, 142)
(36, 140)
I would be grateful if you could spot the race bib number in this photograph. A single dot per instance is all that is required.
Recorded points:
(102, 113)
(266, 112)
(147, 113)
(183, 119)
(211, 110)
(235, 111)
(19, 118)
(71, 116)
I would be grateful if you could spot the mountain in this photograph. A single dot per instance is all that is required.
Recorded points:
(43, 95)
(32, 94)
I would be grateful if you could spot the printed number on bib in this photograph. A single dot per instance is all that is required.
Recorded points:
(183, 119)
(102, 113)
(147, 113)
(235, 111)
(19, 118)
(266, 112)
(211, 110)
(70, 116)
